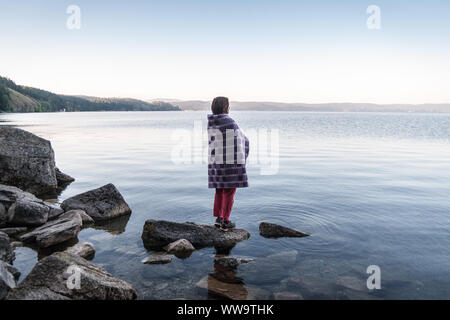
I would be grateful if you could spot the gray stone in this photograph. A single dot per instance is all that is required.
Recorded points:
(232, 262)
(84, 216)
(26, 161)
(28, 213)
(271, 230)
(7, 278)
(100, 204)
(49, 278)
(159, 233)
(54, 232)
(83, 249)
(12, 232)
(181, 248)
(6, 251)
(25, 209)
(62, 178)
(158, 258)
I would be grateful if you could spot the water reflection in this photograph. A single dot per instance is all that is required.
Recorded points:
(114, 226)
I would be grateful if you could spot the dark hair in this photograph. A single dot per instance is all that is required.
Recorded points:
(220, 105)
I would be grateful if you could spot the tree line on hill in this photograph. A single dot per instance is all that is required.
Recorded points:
(13, 97)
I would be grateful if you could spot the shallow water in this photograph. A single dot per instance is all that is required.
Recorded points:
(370, 188)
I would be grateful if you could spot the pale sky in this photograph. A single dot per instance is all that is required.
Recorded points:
(286, 51)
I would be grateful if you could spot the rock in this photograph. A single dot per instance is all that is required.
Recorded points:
(352, 283)
(284, 295)
(86, 220)
(270, 230)
(157, 234)
(3, 215)
(181, 248)
(232, 291)
(312, 287)
(54, 232)
(27, 213)
(25, 209)
(50, 277)
(100, 204)
(62, 178)
(26, 161)
(159, 258)
(270, 269)
(6, 251)
(82, 249)
(12, 232)
(231, 262)
(7, 278)
(55, 210)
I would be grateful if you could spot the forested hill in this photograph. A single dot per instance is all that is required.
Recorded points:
(17, 98)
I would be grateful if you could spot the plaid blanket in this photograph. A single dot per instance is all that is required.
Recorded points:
(228, 149)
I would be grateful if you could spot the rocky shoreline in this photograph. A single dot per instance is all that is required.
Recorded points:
(27, 172)
(28, 175)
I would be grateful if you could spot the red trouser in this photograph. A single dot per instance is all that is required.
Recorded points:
(223, 202)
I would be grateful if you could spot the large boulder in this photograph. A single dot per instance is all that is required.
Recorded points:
(8, 278)
(54, 232)
(271, 230)
(157, 234)
(25, 209)
(54, 278)
(6, 251)
(27, 161)
(100, 204)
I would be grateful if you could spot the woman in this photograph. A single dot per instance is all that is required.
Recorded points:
(228, 152)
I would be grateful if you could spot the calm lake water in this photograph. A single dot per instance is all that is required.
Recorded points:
(370, 188)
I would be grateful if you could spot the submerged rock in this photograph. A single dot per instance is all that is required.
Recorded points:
(271, 230)
(6, 251)
(181, 248)
(270, 269)
(159, 233)
(225, 290)
(50, 277)
(26, 161)
(85, 250)
(54, 232)
(158, 258)
(100, 204)
(25, 209)
(232, 262)
(8, 278)
(286, 295)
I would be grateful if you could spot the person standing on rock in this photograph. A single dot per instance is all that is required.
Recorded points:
(228, 149)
